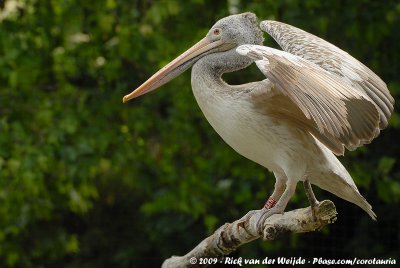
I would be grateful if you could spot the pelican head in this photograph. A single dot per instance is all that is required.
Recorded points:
(226, 34)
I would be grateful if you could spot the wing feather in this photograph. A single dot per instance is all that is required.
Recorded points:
(334, 60)
(332, 110)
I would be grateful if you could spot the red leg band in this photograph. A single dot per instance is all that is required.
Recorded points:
(270, 203)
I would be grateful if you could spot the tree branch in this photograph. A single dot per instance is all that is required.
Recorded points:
(231, 236)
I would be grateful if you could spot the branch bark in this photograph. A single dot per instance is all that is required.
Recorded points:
(231, 236)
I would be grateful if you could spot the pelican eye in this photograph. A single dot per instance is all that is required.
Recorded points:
(217, 31)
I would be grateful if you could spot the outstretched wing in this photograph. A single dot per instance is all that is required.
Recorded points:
(331, 109)
(333, 60)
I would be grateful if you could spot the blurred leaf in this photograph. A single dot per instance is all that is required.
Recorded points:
(386, 164)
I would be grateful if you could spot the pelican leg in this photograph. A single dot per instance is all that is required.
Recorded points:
(310, 196)
(278, 190)
(279, 207)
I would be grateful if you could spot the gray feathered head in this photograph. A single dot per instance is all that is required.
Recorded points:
(239, 29)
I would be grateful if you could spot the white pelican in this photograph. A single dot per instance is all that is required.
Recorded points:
(316, 101)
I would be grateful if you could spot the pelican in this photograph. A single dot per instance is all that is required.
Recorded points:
(315, 102)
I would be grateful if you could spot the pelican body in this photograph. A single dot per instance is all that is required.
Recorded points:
(315, 102)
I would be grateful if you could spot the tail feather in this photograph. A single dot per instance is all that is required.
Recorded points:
(340, 187)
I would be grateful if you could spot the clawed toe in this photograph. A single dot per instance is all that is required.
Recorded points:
(265, 214)
(246, 217)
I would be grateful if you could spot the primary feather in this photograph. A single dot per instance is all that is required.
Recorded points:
(335, 61)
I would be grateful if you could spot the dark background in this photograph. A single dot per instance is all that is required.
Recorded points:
(86, 181)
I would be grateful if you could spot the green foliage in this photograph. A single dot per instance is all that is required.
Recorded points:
(88, 182)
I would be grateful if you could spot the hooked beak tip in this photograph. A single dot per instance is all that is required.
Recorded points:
(125, 99)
